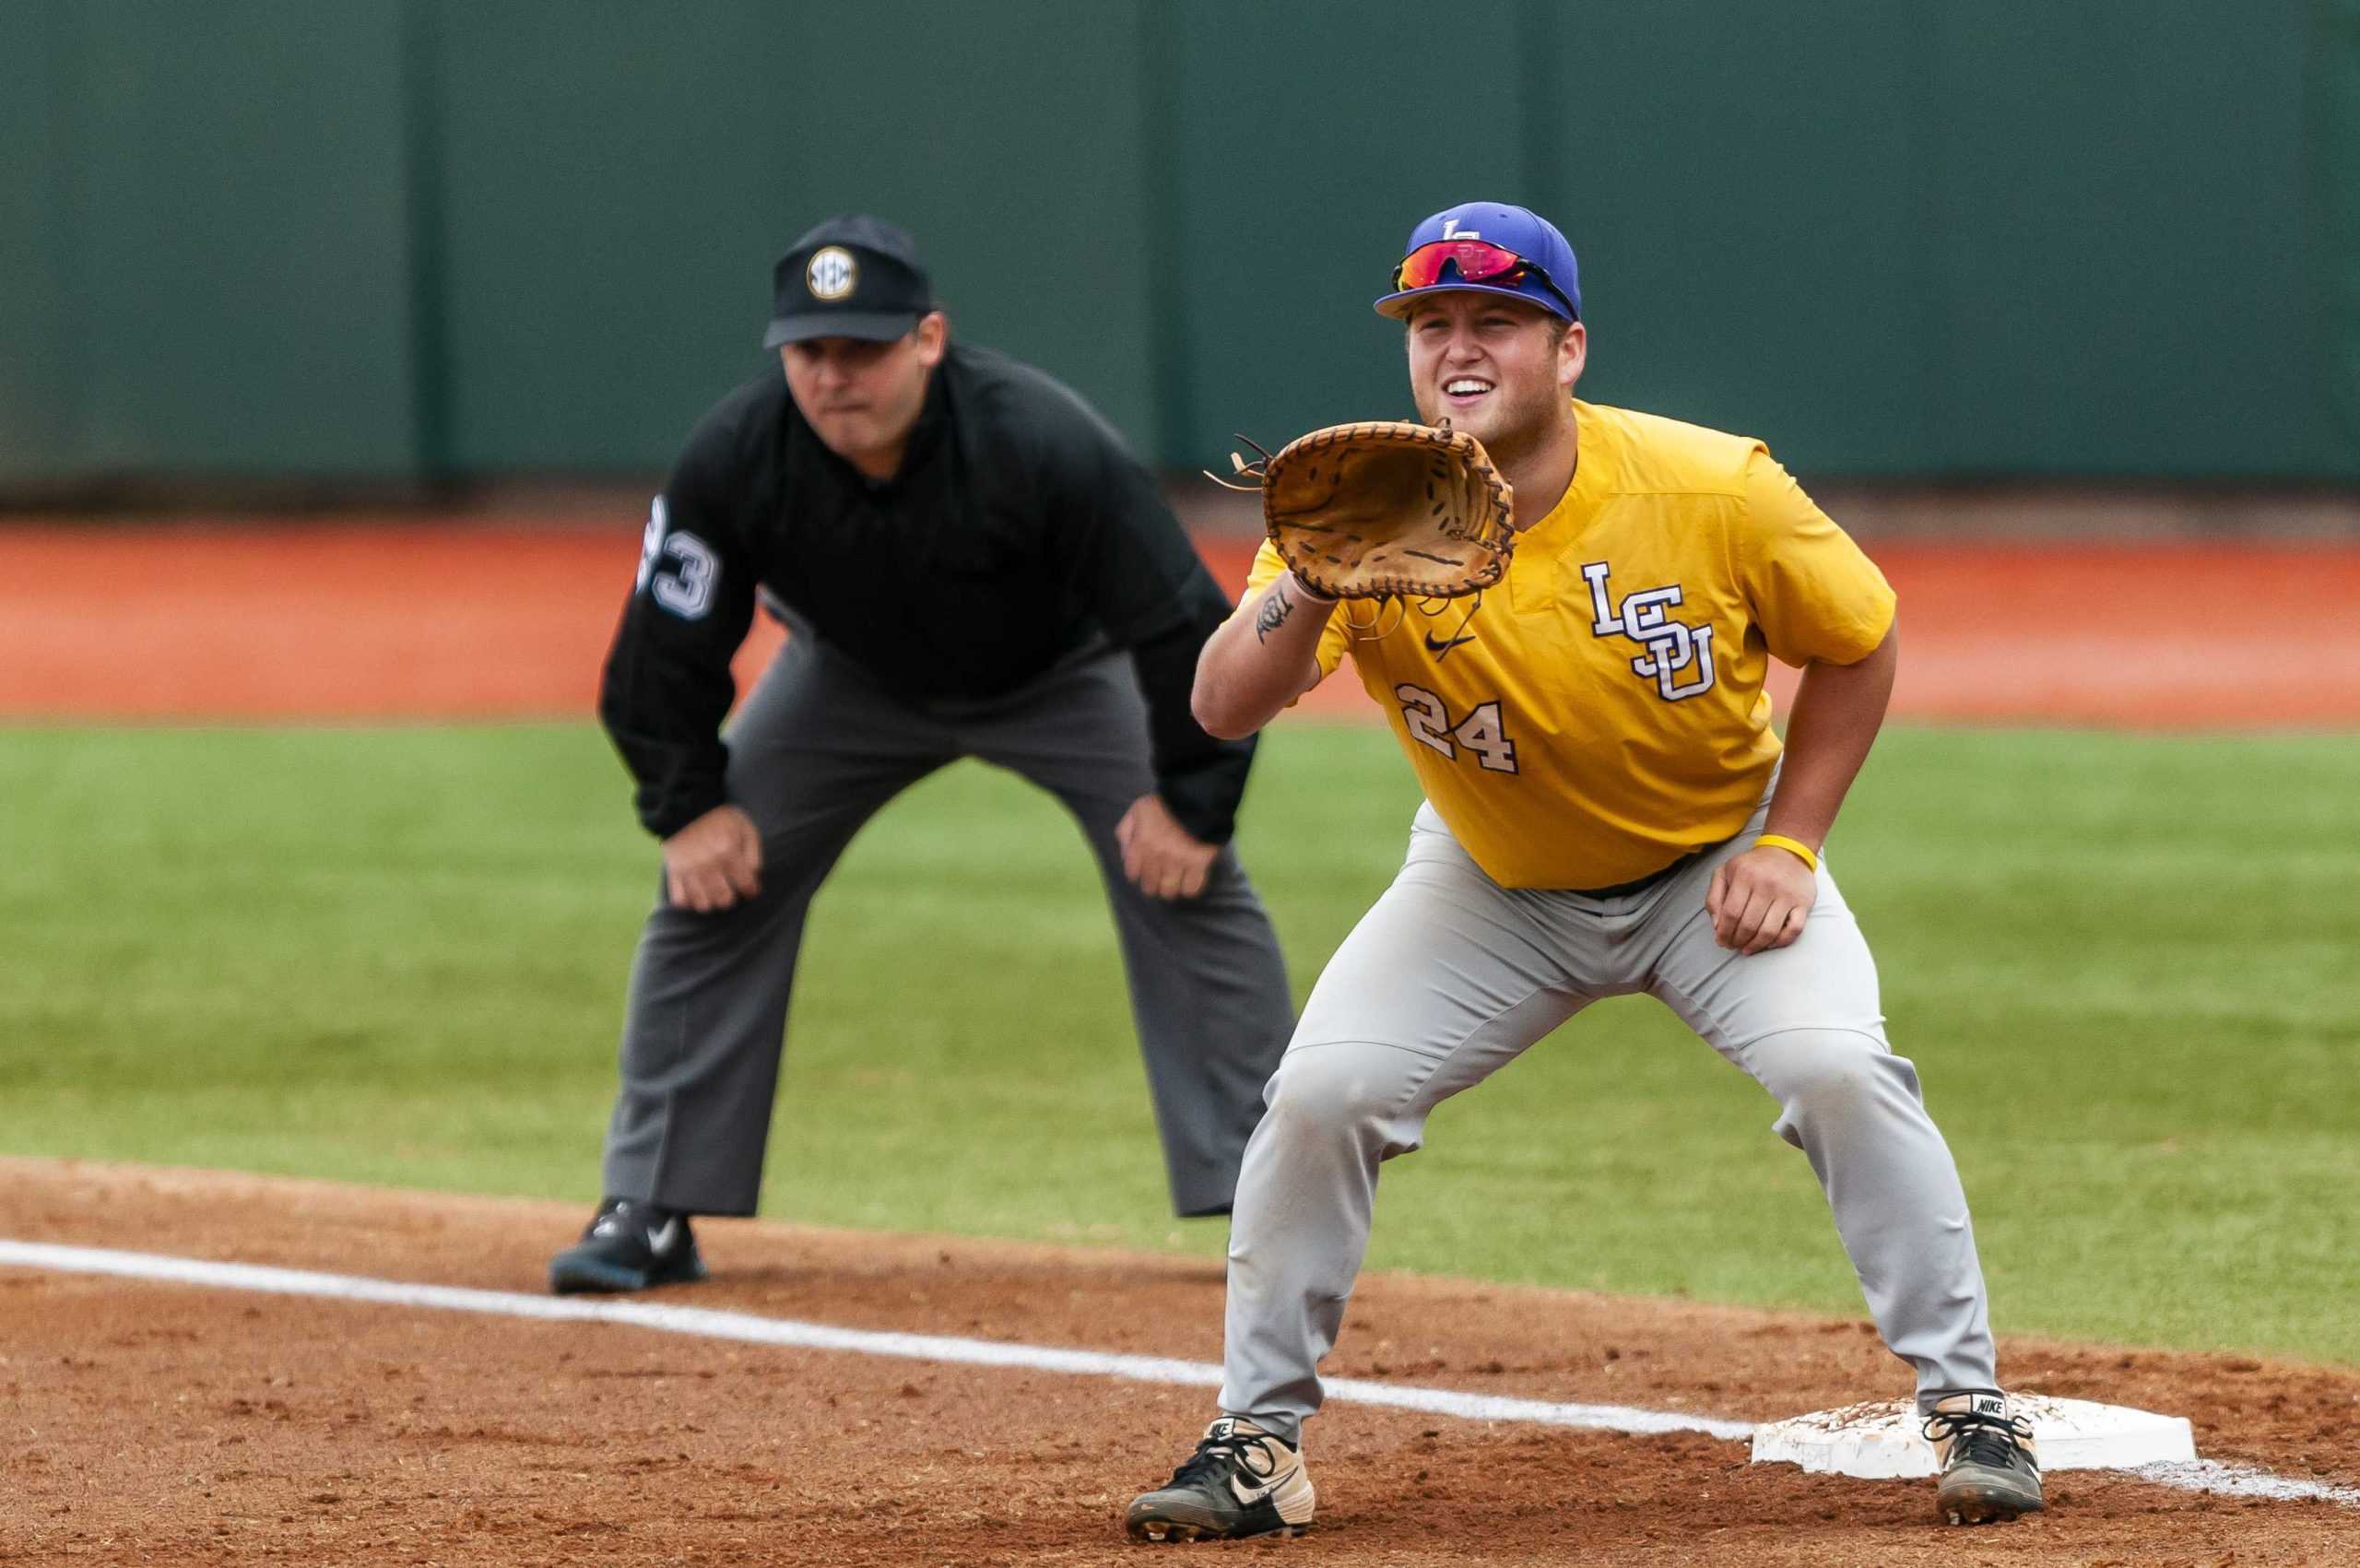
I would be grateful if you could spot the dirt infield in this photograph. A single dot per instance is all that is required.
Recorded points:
(371, 618)
(169, 1426)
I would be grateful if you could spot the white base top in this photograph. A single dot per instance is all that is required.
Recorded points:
(1880, 1439)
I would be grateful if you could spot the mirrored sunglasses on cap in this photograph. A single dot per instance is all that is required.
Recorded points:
(1478, 261)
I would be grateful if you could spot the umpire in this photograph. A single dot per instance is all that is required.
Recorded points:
(1043, 613)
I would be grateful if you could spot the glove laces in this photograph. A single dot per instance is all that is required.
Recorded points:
(1242, 468)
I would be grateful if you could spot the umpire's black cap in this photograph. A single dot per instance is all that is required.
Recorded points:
(852, 277)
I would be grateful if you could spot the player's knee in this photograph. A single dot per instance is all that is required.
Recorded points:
(1331, 1087)
(1829, 1077)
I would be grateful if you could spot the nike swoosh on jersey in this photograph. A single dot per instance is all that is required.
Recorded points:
(1438, 648)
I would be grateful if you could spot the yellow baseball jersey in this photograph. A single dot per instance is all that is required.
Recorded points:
(1602, 712)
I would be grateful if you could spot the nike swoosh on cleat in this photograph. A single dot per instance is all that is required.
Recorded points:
(660, 1239)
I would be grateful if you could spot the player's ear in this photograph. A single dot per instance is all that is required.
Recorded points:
(933, 334)
(1573, 354)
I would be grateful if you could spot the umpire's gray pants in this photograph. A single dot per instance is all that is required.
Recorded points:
(1450, 976)
(816, 750)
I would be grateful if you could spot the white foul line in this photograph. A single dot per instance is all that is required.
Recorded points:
(705, 1323)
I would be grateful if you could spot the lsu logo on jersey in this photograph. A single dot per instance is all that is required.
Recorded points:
(1678, 657)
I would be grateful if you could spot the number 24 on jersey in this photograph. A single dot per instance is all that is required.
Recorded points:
(1480, 731)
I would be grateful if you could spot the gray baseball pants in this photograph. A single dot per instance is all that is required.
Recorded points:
(1449, 976)
(816, 750)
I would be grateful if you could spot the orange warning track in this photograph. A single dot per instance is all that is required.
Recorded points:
(371, 619)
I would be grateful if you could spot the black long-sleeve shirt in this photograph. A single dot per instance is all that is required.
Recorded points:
(1017, 529)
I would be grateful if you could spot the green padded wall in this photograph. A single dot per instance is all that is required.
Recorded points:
(619, 178)
(422, 239)
(37, 413)
(214, 229)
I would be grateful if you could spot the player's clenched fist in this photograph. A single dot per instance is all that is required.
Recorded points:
(714, 861)
(1759, 900)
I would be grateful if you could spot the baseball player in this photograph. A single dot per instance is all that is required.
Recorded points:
(1608, 811)
(970, 564)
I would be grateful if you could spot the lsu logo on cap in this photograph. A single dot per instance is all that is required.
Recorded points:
(831, 273)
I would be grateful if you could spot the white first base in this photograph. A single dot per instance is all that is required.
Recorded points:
(1877, 1440)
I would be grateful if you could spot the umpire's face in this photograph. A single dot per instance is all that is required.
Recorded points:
(862, 397)
(1498, 369)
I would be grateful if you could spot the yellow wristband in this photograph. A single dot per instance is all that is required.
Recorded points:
(1800, 850)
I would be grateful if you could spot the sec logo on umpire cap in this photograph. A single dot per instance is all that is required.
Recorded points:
(831, 273)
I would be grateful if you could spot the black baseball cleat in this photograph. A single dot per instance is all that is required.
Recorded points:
(629, 1246)
(1989, 1470)
(1240, 1481)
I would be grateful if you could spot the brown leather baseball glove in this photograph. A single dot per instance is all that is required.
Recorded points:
(1386, 508)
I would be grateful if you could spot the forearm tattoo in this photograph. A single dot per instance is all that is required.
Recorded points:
(1274, 611)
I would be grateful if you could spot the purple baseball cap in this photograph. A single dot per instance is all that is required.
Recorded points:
(1474, 247)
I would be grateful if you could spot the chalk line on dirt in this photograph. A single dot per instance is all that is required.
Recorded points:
(2203, 1475)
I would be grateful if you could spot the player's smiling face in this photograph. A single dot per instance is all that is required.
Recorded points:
(1497, 369)
(862, 397)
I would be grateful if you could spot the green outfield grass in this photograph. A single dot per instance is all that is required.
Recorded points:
(2125, 966)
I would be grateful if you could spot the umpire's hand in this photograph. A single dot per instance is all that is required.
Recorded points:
(714, 862)
(1161, 857)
